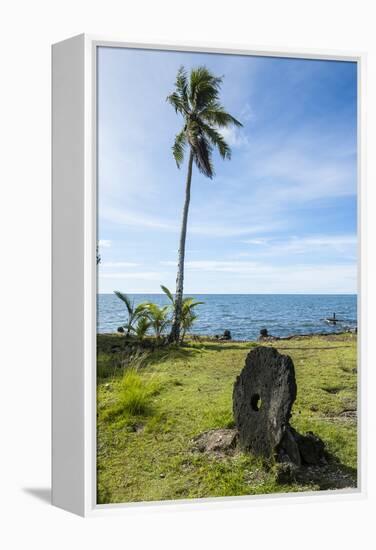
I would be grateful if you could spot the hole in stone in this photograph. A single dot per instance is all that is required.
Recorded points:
(256, 402)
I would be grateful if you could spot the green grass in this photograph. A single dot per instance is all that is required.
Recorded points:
(134, 396)
(147, 418)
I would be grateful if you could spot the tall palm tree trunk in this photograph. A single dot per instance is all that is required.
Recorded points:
(175, 329)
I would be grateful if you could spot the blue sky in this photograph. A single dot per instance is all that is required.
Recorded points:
(280, 217)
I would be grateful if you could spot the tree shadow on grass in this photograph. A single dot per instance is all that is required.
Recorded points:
(213, 346)
(172, 353)
(295, 348)
(187, 351)
(333, 475)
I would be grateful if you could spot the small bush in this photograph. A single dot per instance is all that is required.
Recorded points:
(135, 395)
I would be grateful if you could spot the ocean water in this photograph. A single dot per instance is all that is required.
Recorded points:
(245, 314)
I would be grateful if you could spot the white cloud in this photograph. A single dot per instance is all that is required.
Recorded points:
(304, 165)
(119, 264)
(301, 245)
(218, 265)
(257, 242)
(257, 277)
(337, 243)
(228, 229)
(305, 178)
(316, 249)
(235, 137)
(146, 221)
(134, 275)
(136, 219)
(247, 114)
(104, 243)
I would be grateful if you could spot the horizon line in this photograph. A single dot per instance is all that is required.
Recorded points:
(248, 293)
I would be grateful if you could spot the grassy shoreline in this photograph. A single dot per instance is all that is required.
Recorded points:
(146, 453)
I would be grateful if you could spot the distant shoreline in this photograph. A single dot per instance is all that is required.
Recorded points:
(237, 294)
(245, 315)
(270, 338)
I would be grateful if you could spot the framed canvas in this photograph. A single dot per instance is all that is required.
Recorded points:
(207, 286)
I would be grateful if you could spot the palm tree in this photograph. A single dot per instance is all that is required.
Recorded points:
(188, 317)
(196, 99)
(134, 312)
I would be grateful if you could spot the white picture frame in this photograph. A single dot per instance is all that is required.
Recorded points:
(74, 275)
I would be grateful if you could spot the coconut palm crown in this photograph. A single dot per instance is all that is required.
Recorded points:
(196, 99)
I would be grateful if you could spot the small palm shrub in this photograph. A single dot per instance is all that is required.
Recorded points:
(188, 319)
(158, 317)
(135, 313)
(142, 327)
(187, 314)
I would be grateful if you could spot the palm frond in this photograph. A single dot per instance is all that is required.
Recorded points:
(155, 312)
(142, 327)
(168, 293)
(190, 303)
(177, 102)
(181, 84)
(217, 140)
(204, 87)
(189, 319)
(178, 147)
(158, 317)
(215, 114)
(124, 298)
(203, 155)
(140, 309)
